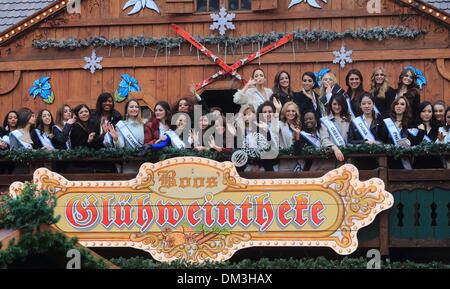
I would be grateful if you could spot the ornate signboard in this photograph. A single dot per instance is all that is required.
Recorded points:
(199, 209)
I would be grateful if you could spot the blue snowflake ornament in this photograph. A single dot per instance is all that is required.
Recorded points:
(43, 88)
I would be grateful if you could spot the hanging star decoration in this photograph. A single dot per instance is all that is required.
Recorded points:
(43, 88)
(321, 73)
(222, 21)
(93, 62)
(312, 3)
(140, 5)
(420, 78)
(343, 56)
(127, 84)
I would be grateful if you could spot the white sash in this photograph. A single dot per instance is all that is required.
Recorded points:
(352, 115)
(260, 96)
(175, 139)
(363, 130)
(415, 131)
(18, 135)
(377, 111)
(334, 132)
(128, 135)
(43, 138)
(314, 140)
(396, 137)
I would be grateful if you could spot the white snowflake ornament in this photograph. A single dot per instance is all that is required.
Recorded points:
(139, 5)
(312, 3)
(222, 21)
(93, 62)
(343, 56)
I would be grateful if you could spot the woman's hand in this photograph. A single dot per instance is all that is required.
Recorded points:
(440, 136)
(338, 154)
(370, 142)
(277, 105)
(72, 120)
(113, 132)
(296, 131)
(3, 145)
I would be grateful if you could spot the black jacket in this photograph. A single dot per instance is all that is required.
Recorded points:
(79, 136)
(60, 137)
(306, 104)
(384, 104)
(96, 117)
(376, 128)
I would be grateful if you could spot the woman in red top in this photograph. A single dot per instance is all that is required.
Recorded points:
(155, 129)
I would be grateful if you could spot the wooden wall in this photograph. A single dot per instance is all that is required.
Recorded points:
(168, 77)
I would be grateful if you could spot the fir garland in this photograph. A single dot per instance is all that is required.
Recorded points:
(367, 34)
(27, 155)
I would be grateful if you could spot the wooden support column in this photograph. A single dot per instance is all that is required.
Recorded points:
(384, 215)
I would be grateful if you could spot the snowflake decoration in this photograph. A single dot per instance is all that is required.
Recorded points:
(254, 145)
(222, 21)
(312, 3)
(139, 5)
(343, 56)
(93, 62)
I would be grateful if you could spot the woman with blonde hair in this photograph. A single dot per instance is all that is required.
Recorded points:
(382, 92)
(329, 87)
(290, 127)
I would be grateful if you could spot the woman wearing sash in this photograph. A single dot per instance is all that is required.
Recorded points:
(224, 140)
(439, 112)
(366, 128)
(309, 137)
(444, 136)
(23, 136)
(129, 133)
(156, 128)
(254, 92)
(307, 99)
(395, 131)
(328, 88)
(103, 115)
(44, 135)
(383, 93)
(9, 124)
(198, 133)
(290, 126)
(63, 125)
(334, 130)
(174, 136)
(426, 132)
(355, 91)
(408, 87)
(282, 88)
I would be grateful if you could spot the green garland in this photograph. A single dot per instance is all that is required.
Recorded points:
(27, 212)
(26, 155)
(370, 34)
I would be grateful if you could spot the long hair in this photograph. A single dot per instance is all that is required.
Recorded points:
(297, 120)
(277, 87)
(76, 111)
(312, 76)
(59, 120)
(446, 125)
(344, 114)
(413, 84)
(102, 98)
(23, 116)
(189, 101)
(40, 123)
(406, 115)
(322, 85)
(127, 104)
(255, 70)
(379, 91)
(433, 121)
(166, 108)
(370, 96)
(5, 121)
(359, 90)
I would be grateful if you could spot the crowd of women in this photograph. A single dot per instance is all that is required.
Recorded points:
(322, 114)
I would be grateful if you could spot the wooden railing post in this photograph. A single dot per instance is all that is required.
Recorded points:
(384, 216)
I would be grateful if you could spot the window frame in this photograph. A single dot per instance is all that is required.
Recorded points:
(222, 3)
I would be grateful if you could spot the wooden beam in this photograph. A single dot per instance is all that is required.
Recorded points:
(174, 61)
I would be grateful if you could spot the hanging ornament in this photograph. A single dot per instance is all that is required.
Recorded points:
(140, 5)
(343, 56)
(312, 3)
(127, 85)
(222, 21)
(43, 88)
(93, 62)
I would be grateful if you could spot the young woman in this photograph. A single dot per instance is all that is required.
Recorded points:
(309, 137)
(129, 133)
(23, 136)
(254, 92)
(307, 98)
(63, 125)
(335, 128)
(156, 128)
(290, 127)
(366, 128)
(9, 125)
(184, 104)
(84, 132)
(408, 87)
(444, 136)
(355, 91)
(439, 112)
(383, 94)
(395, 130)
(44, 127)
(105, 114)
(198, 133)
(328, 88)
(426, 132)
(224, 138)
(282, 87)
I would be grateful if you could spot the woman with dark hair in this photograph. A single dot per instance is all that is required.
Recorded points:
(408, 87)
(254, 92)
(335, 128)
(439, 112)
(426, 132)
(328, 88)
(184, 104)
(63, 125)
(382, 92)
(44, 125)
(84, 133)
(9, 125)
(156, 128)
(395, 130)
(355, 91)
(309, 136)
(282, 87)
(307, 99)
(23, 136)
(105, 114)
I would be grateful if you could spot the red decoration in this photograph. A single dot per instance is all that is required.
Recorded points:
(226, 69)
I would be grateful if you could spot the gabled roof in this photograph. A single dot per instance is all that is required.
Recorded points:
(443, 5)
(14, 11)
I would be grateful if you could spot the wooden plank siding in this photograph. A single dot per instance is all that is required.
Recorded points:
(169, 77)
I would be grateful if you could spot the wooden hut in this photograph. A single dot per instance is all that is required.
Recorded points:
(387, 33)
